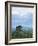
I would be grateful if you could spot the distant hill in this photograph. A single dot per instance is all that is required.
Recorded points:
(23, 29)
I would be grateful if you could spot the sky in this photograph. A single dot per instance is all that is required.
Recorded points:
(21, 16)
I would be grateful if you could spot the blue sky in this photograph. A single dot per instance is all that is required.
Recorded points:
(21, 16)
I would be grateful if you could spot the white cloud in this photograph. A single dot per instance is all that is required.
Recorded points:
(21, 11)
(15, 13)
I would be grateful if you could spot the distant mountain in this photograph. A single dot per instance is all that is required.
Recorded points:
(23, 29)
(27, 28)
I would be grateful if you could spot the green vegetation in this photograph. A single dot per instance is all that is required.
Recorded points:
(22, 33)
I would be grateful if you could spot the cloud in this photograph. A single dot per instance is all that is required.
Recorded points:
(21, 16)
(20, 10)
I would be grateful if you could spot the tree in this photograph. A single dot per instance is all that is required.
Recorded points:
(19, 28)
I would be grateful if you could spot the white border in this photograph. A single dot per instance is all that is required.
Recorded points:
(34, 27)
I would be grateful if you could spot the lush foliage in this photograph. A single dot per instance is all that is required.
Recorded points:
(22, 33)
